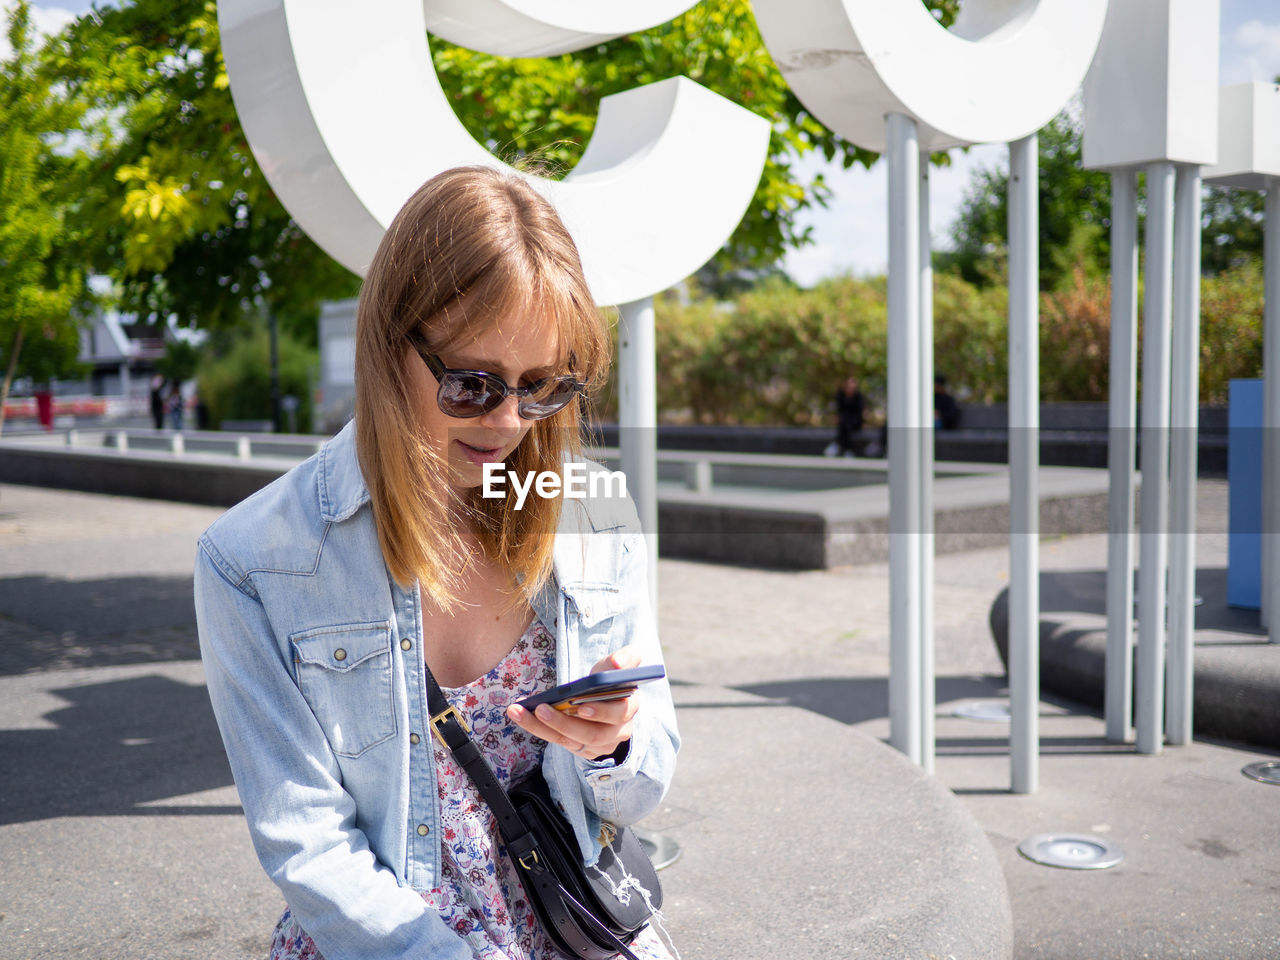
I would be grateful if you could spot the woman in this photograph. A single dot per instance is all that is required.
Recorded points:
(322, 598)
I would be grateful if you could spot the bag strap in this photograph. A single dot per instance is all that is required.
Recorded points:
(451, 730)
(448, 726)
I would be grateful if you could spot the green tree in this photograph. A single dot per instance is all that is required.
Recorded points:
(175, 207)
(548, 107)
(236, 384)
(42, 289)
(1233, 229)
(181, 217)
(1074, 209)
(1075, 219)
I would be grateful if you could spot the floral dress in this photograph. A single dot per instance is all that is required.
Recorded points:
(479, 894)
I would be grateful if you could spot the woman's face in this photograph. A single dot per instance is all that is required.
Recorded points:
(518, 350)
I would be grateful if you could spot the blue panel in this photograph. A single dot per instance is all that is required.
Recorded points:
(1244, 474)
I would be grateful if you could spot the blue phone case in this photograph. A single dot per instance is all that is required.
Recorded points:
(595, 686)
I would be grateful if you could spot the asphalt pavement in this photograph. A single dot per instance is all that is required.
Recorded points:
(121, 834)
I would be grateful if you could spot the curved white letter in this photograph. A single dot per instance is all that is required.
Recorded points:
(346, 116)
(1002, 72)
(543, 28)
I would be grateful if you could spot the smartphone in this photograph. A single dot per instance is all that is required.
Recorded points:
(605, 685)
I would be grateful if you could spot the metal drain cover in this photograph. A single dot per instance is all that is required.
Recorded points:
(662, 850)
(988, 711)
(1266, 771)
(1072, 851)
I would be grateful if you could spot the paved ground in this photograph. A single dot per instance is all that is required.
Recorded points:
(95, 613)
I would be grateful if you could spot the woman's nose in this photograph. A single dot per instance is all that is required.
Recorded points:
(505, 418)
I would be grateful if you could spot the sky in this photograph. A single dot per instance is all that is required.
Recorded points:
(851, 234)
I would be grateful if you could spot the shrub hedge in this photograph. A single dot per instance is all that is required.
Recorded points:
(776, 354)
(237, 384)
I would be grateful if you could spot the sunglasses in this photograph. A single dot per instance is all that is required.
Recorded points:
(473, 393)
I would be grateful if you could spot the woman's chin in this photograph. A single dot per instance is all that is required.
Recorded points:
(467, 475)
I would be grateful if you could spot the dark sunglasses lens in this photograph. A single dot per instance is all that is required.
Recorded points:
(554, 399)
(467, 395)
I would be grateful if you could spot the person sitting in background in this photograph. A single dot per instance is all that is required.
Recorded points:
(850, 405)
(946, 412)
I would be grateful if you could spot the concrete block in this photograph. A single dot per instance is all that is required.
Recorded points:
(1248, 136)
(1152, 92)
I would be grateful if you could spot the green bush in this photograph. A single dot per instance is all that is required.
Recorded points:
(1230, 329)
(237, 384)
(776, 354)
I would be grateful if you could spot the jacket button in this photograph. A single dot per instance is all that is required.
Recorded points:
(423, 829)
(414, 738)
(406, 644)
(339, 654)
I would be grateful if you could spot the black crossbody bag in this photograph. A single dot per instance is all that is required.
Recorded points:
(587, 912)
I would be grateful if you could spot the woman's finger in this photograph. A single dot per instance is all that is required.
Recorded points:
(571, 733)
(624, 658)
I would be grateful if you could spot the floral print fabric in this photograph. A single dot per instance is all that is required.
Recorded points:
(480, 895)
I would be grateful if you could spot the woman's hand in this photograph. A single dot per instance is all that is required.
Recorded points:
(594, 730)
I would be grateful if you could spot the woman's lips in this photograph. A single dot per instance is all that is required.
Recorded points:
(474, 453)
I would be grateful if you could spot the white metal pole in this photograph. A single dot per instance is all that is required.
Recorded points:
(1120, 454)
(928, 697)
(1157, 333)
(1271, 411)
(638, 421)
(1184, 445)
(904, 448)
(1024, 457)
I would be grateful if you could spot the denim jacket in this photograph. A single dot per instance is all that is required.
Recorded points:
(313, 656)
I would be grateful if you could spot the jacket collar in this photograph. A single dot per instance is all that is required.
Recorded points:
(341, 485)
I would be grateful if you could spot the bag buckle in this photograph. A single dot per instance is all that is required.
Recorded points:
(531, 854)
(442, 718)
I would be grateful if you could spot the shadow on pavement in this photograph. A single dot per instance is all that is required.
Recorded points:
(858, 699)
(50, 623)
(117, 746)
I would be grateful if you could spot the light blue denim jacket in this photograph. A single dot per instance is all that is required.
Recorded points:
(313, 656)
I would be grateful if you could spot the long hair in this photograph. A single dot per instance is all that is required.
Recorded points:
(473, 246)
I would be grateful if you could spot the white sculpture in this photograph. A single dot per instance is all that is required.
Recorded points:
(1002, 71)
(1151, 95)
(543, 28)
(1151, 103)
(1248, 137)
(889, 77)
(346, 117)
(1249, 158)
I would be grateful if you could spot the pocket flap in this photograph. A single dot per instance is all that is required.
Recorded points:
(594, 601)
(342, 647)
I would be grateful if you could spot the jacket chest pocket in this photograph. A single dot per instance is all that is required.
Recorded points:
(600, 629)
(345, 675)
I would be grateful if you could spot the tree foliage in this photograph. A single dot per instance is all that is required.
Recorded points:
(1074, 209)
(179, 214)
(1075, 219)
(1233, 228)
(176, 209)
(773, 355)
(547, 107)
(236, 385)
(42, 288)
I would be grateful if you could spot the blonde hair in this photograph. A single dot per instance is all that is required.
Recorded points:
(473, 246)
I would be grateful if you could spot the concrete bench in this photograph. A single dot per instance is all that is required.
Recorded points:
(803, 837)
(1237, 671)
